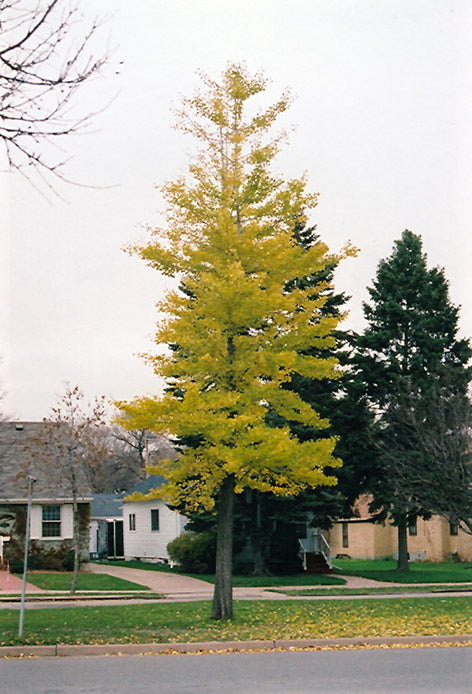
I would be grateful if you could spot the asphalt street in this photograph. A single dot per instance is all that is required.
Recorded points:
(393, 671)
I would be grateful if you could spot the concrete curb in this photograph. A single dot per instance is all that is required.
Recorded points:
(55, 597)
(62, 650)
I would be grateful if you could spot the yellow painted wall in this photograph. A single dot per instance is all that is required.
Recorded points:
(385, 537)
(433, 541)
(361, 540)
(461, 544)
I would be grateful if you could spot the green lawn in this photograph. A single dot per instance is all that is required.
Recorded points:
(420, 572)
(135, 564)
(398, 590)
(85, 581)
(301, 579)
(379, 570)
(184, 622)
(273, 581)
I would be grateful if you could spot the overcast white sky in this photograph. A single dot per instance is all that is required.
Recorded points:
(383, 116)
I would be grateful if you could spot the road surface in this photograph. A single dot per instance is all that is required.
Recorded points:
(394, 671)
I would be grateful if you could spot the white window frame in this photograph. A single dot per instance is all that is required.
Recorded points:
(156, 512)
(49, 522)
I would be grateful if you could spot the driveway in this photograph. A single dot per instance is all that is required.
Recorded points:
(174, 586)
(11, 583)
(157, 581)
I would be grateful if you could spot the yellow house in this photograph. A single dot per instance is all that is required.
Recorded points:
(431, 540)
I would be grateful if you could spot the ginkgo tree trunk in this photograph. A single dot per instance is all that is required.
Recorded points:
(237, 332)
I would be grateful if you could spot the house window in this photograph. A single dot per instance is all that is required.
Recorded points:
(345, 534)
(154, 519)
(132, 521)
(412, 527)
(51, 525)
(453, 529)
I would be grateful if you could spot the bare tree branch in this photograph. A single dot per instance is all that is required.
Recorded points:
(427, 448)
(44, 59)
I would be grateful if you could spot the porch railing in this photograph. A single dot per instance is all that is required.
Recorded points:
(321, 546)
(318, 544)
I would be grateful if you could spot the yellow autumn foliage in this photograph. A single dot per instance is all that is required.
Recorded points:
(241, 322)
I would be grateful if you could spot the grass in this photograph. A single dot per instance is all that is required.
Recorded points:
(397, 590)
(136, 564)
(273, 581)
(295, 580)
(376, 569)
(385, 570)
(85, 581)
(240, 581)
(266, 620)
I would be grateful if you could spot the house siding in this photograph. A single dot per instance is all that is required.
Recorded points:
(433, 541)
(36, 532)
(143, 543)
(365, 540)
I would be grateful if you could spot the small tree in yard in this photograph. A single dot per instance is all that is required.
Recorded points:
(68, 448)
(416, 374)
(240, 332)
(439, 434)
(130, 452)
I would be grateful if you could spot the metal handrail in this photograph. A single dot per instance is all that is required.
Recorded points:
(319, 545)
(326, 551)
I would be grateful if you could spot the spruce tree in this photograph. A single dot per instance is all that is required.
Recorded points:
(411, 359)
(271, 521)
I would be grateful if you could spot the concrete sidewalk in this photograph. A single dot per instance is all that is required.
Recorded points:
(157, 581)
(10, 583)
(177, 588)
(174, 584)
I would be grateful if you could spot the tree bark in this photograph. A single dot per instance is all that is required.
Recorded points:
(259, 557)
(223, 592)
(402, 562)
(259, 541)
(76, 539)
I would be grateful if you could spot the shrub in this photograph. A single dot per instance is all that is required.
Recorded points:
(194, 552)
(39, 557)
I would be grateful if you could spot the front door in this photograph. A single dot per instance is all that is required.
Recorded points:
(111, 539)
(115, 539)
(119, 551)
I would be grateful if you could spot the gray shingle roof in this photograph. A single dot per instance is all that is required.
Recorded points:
(107, 505)
(18, 447)
(145, 486)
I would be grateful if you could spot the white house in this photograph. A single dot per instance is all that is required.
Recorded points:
(148, 526)
(51, 510)
(106, 526)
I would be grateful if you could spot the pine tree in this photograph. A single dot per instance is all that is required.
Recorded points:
(343, 404)
(410, 356)
(240, 333)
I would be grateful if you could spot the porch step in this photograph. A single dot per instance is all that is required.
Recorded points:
(316, 563)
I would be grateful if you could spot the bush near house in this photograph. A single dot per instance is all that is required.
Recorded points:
(194, 552)
(39, 557)
(52, 556)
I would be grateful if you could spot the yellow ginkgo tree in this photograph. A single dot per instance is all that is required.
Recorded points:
(240, 323)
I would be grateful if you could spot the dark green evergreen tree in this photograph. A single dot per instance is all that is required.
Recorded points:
(415, 370)
(273, 523)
